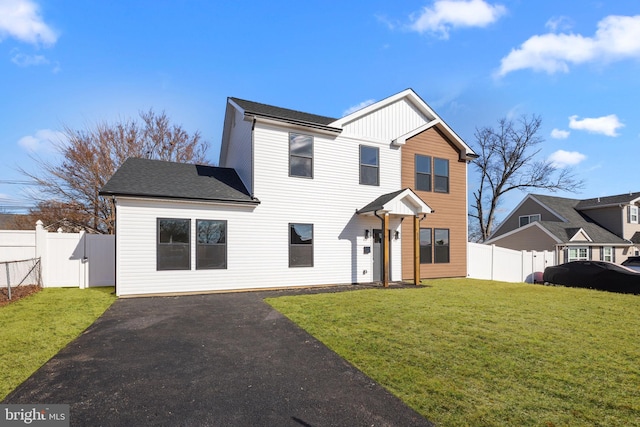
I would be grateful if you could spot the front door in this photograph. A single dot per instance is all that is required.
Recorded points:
(378, 257)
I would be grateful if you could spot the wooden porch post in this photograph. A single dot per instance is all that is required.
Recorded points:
(416, 250)
(385, 250)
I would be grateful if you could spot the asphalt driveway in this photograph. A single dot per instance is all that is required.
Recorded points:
(208, 360)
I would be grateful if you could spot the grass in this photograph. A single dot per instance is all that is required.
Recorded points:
(34, 329)
(466, 352)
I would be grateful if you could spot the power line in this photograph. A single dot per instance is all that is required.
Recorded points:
(17, 182)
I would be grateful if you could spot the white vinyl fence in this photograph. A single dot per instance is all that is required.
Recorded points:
(495, 263)
(67, 259)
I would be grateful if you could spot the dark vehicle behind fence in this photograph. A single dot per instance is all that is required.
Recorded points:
(633, 262)
(601, 275)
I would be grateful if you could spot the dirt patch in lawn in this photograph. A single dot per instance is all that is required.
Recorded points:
(17, 293)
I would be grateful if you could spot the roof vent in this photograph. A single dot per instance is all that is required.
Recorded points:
(598, 199)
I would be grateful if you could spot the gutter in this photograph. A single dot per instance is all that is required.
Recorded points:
(249, 115)
(253, 202)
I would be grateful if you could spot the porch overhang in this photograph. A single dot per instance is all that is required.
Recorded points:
(399, 203)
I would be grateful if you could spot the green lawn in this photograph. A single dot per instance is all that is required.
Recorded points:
(34, 329)
(482, 353)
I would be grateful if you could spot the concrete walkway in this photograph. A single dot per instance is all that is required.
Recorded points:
(208, 360)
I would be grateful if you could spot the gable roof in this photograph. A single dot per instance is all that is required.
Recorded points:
(387, 201)
(161, 179)
(575, 221)
(430, 117)
(252, 109)
(599, 202)
(257, 109)
(571, 222)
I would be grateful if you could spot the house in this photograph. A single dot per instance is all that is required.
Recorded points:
(298, 199)
(602, 228)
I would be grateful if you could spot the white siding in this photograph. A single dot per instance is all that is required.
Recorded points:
(258, 237)
(387, 123)
(328, 200)
(239, 149)
(136, 248)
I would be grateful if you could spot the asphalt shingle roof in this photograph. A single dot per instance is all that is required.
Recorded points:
(576, 220)
(607, 200)
(379, 203)
(286, 114)
(156, 178)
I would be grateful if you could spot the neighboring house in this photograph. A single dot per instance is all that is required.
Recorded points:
(602, 228)
(15, 222)
(298, 200)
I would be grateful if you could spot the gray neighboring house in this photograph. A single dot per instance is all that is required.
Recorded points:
(601, 228)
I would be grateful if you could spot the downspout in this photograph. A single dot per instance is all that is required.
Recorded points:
(115, 245)
(253, 126)
(384, 243)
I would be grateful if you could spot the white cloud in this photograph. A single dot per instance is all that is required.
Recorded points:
(617, 38)
(446, 14)
(360, 106)
(559, 23)
(562, 159)
(42, 140)
(605, 125)
(21, 20)
(560, 134)
(24, 60)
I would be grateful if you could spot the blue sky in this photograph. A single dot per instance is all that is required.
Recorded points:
(575, 63)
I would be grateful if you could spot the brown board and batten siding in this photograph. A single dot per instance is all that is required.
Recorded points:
(450, 208)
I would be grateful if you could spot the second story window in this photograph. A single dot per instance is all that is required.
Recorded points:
(369, 165)
(633, 214)
(423, 173)
(527, 219)
(300, 155)
(441, 180)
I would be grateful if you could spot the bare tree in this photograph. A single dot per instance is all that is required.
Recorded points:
(508, 162)
(91, 156)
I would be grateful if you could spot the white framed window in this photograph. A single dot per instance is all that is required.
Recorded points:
(633, 214)
(578, 253)
(607, 253)
(527, 219)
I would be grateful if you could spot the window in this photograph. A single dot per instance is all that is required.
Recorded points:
(633, 214)
(174, 244)
(300, 245)
(578, 253)
(423, 173)
(211, 244)
(607, 254)
(369, 165)
(425, 246)
(441, 180)
(526, 219)
(441, 252)
(300, 155)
